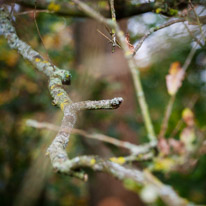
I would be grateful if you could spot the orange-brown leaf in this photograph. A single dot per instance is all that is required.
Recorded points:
(174, 78)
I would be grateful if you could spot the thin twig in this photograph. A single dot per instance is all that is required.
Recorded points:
(189, 58)
(134, 149)
(192, 35)
(32, 11)
(37, 27)
(114, 44)
(110, 32)
(110, 41)
(152, 30)
(166, 117)
(198, 21)
(112, 10)
(105, 36)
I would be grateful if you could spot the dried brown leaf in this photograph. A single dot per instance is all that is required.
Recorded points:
(174, 78)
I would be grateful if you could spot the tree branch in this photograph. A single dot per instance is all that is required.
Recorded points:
(192, 35)
(167, 114)
(113, 14)
(166, 193)
(57, 77)
(152, 30)
(134, 149)
(69, 9)
(123, 10)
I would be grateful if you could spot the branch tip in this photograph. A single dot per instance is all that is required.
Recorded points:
(115, 103)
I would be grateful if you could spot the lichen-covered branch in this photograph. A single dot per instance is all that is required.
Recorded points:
(166, 193)
(57, 77)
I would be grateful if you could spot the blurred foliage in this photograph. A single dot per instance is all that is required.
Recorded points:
(24, 94)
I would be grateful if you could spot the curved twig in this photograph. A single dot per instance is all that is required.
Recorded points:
(134, 149)
(152, 30)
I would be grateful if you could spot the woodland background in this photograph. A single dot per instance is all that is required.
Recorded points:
(26, 177)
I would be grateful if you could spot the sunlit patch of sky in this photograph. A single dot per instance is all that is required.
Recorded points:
(157, 41)
(149, 18)
(136, 27)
